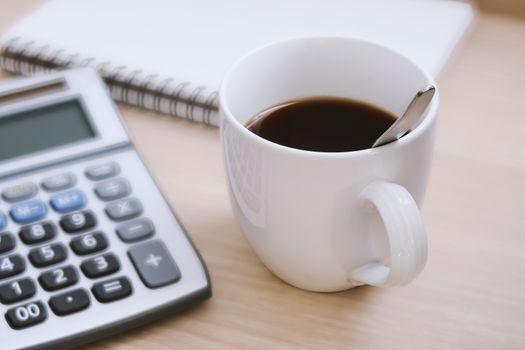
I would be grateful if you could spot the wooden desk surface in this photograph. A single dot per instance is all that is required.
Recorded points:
(471, 294)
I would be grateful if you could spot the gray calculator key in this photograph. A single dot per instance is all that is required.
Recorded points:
(111, 290)
(19, 192)
(102, 171)
(135, 230)
(112, 189)
(154, 264)
(124, 209)
(58, 182)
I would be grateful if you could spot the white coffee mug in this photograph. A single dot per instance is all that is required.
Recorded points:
(328, 221)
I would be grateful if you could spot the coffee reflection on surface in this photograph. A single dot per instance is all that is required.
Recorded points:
(322, 124)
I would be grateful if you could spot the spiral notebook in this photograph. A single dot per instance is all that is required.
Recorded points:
(170, 55)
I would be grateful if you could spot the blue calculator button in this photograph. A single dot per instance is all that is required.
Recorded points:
(3, 221)
(29, 211)
(67, 201)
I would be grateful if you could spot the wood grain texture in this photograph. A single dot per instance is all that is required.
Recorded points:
(471, 295)
(515, 8)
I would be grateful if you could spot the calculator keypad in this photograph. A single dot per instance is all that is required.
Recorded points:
(151, 259)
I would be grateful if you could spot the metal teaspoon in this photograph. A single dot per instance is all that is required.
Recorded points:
(409, 119)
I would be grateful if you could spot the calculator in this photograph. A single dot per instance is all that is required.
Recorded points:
(88, 245)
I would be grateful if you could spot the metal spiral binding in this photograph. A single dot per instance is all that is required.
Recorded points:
(134, 87)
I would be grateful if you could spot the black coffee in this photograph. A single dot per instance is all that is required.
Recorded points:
(323, 124)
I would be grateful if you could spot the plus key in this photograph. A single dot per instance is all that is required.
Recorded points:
(154, 264)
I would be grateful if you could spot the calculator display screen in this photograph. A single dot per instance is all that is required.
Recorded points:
(43, 128)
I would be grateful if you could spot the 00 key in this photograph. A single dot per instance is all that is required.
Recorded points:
(26, 315)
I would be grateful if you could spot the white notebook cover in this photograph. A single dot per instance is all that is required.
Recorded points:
(193, 42)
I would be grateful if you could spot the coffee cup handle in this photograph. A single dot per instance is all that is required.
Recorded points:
(406, 236)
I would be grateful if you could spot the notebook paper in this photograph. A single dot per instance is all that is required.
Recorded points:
(170, 55)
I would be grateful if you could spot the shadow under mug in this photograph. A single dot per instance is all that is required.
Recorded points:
(328, 221)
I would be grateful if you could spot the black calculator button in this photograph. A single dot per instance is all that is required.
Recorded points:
(99, 266)
(112, 189)
(19, 192)
(48, 255)
(58, 182)
(26, 315)
(102, 171)
(135, 230)
(37, 233)
(11, 265)
(124, 209)
(154, 264)
(14, 291)
(111, 290)
(58, 278)
(69, 302)
(7, 242)
(89, 243)
(79, 221)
